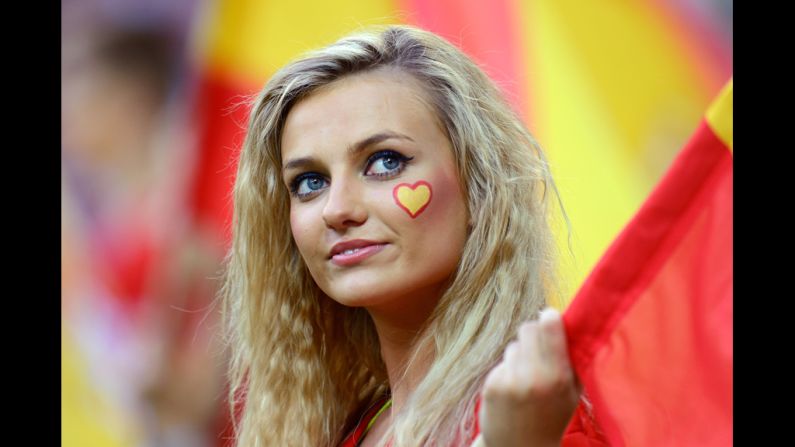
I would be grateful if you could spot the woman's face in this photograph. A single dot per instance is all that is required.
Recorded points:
(376, 208)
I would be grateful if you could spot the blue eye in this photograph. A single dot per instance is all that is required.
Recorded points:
(307, 184)
(386, 163)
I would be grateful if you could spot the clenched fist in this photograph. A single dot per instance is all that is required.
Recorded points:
(530, 396)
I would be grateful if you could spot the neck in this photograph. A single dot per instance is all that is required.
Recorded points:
(399, 327)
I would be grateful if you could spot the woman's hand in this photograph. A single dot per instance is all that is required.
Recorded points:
(530, 396)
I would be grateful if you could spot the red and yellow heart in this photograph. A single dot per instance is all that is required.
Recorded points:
(413, 198)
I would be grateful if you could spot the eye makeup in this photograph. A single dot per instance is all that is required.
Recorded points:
(382, 164)
(306, 184)
(386, 163)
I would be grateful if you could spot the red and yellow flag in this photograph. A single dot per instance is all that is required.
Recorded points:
(650, 331)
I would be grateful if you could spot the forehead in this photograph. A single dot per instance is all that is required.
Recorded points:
(356, 107)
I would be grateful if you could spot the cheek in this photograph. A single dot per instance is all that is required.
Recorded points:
(302, 232)
(446, 209)
(438, 226)
(447, 220)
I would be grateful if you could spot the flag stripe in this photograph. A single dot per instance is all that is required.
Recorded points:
(720, 115)
(251, 39)
(679, 349)
(221, 118)
(650, 237)
(487, 31)
(643, 288)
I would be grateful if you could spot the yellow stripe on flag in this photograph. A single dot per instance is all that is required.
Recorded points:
(720, 115)
(599, 184)
(250, 39)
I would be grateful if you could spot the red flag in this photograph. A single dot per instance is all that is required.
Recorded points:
(650, 331)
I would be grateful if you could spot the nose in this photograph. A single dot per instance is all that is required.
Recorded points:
(344, 207)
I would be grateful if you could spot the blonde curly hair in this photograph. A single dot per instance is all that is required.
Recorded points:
(292, 346)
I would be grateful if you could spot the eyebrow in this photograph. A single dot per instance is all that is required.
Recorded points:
(352, 149)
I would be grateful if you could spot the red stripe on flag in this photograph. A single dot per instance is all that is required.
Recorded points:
(486, 31)
(650, 332)
(221, 122)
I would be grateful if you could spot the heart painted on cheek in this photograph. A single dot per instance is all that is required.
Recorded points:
(413, 198)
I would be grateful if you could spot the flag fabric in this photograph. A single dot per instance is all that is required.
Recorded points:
(650, 331)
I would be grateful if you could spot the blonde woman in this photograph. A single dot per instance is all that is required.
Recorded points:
(391, 258)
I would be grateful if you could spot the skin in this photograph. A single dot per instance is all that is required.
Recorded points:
(401, 285)
(530, 396)
(337, 196)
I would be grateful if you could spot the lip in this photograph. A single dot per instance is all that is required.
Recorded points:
(364, 249)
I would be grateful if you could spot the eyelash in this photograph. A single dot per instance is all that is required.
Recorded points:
(402, 159)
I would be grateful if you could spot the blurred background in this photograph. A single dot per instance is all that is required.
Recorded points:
(153, 112)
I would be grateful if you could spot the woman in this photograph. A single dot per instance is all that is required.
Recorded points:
(390, 242)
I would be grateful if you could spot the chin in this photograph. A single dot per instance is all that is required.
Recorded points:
(358, 296)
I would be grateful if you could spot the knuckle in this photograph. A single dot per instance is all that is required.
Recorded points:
(505, 387)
